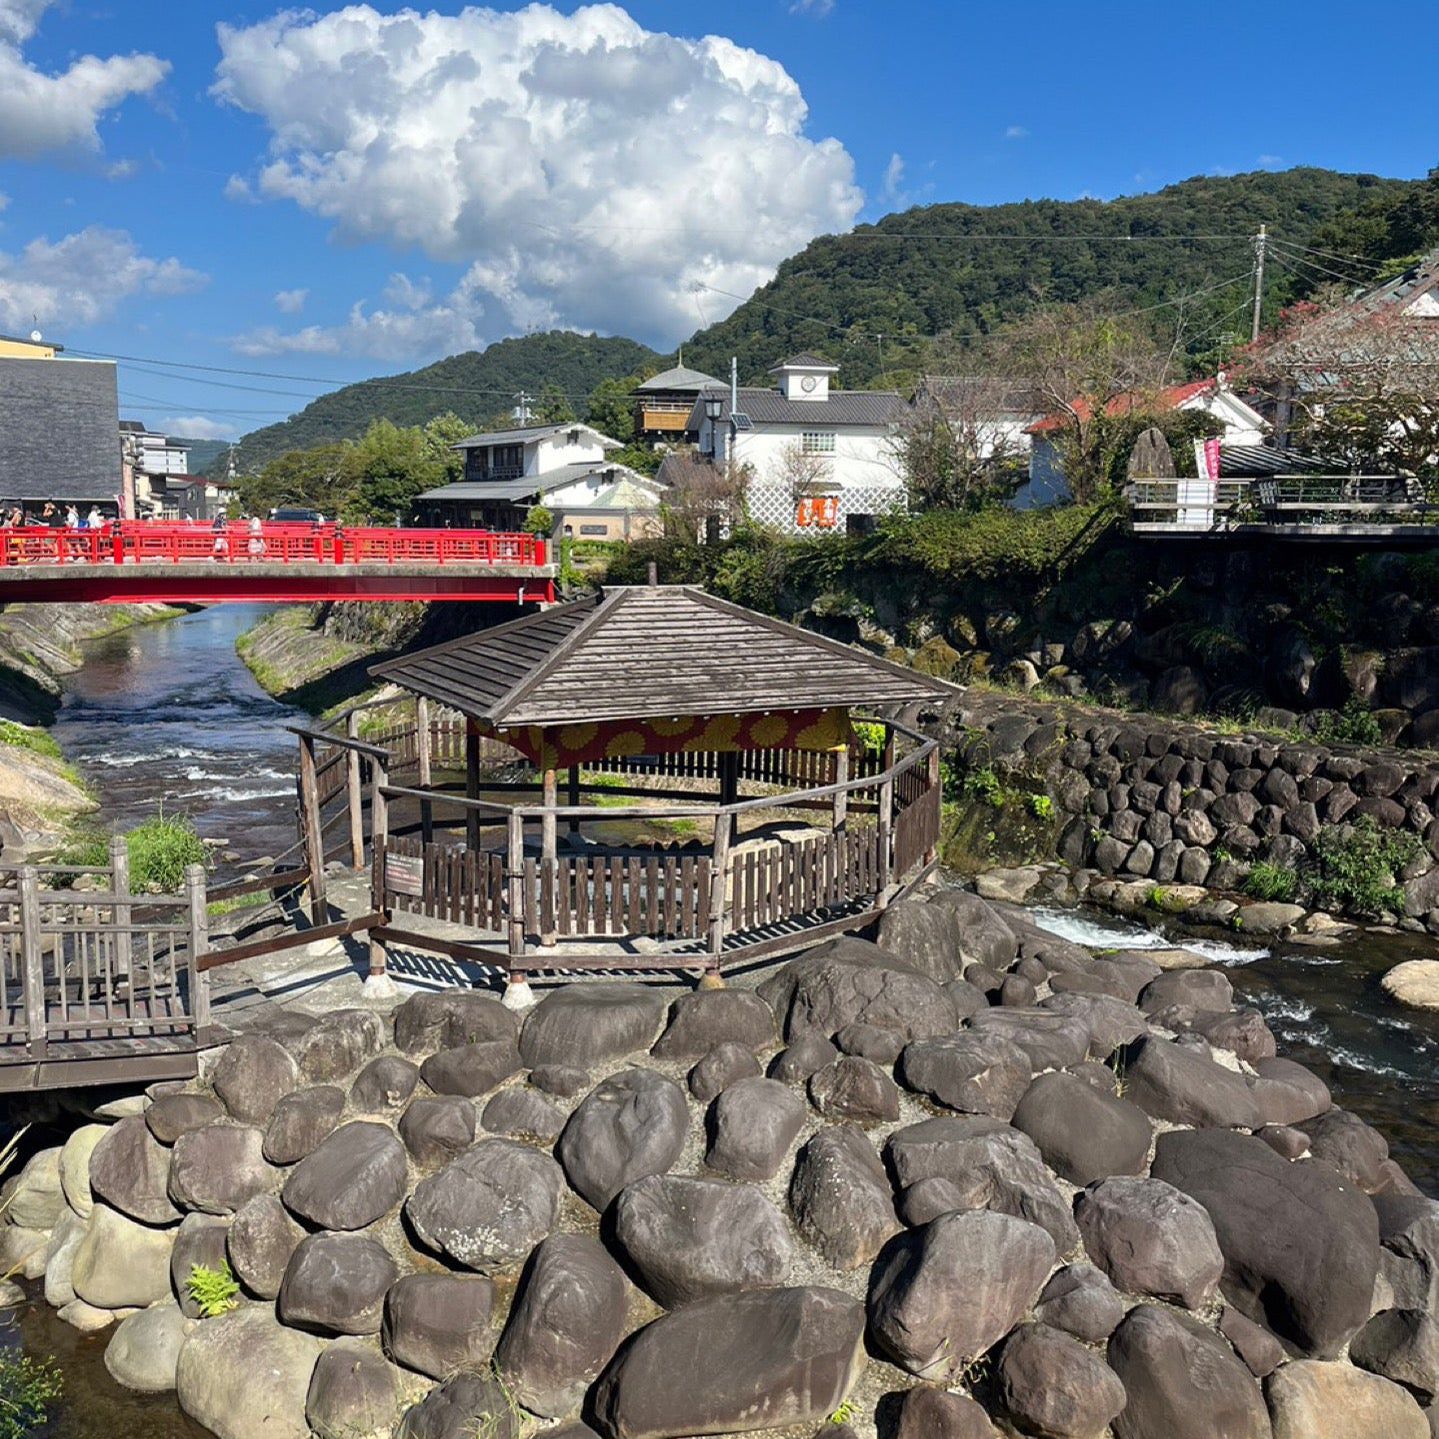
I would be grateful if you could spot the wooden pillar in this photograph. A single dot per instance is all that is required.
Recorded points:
(549, 842)
(719, 898)
(517, 991)
(729, 777)
(379, 842)
(199, 946)
(841, 799)
(32, 960)
(932, 780)
(120, 884)
(885, 821)
(354, 795)
(310, 825)
(573, 795)
(472, 781)
(422, 739)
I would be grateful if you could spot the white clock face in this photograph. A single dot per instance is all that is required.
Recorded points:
(808, 383)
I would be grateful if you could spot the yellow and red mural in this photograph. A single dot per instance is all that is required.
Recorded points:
(559, 746)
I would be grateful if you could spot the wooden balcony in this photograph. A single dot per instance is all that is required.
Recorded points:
(667, 416)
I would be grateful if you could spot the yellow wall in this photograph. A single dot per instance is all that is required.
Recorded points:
(25, 350)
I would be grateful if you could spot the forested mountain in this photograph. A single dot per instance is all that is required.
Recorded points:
(477, 386)
(868, 299)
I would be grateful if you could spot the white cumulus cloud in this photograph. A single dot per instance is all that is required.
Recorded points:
(82, 278)
(198, 427)
(40, 112)
(291, 302)
(588, 172)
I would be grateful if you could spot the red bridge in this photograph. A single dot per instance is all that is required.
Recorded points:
(140, 560)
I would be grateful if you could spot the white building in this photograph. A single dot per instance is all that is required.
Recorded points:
(996, 412)
(563, 467)
(818, 459)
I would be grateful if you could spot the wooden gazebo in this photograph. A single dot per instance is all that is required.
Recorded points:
(769, 819)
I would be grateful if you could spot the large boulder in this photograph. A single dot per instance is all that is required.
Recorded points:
(985, 936)
(1200, 989)
(259, 1242)
(470, 1070)
(253, 1075)
(519, 1112)
(840, 1197)
(1050, 1039)
(120, 1264)
(1051, 1386)
(751, 1127)
(465, 1406)
(354, 1390)
(1346, 1143)
(34, 1198)
(1409, 1232)
(854, 1088)
(301, 1120)
(144, 1351)
(1174, 1082)
(926, 1412)
(200, 1240)
(245, 1376)
(356, 1175)
(219, 1168)
(1308, 1398)
(1111, 1022)
(1402, 1345)
(1080, 1300)
(689, 1238)
(1182, 1381)
(172, 1115)
(941, 1295)
(130, 1171)
(336, 1283)
(926, 936)
(435, 1130)
(1083, 1133)
(969, 1072)
(765, 1359)
(567, 1319)
(487, 1209)
(631, 1125)
(339, 1043)
(438, 1324)
(385, 1083)
(591, 1024)
(724, 1065)
(1310, 1282)
(447, 1018)
(75, 1157)
(710, 1017)
(1151, 1239)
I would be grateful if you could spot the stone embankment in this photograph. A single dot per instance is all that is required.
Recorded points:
(1146, 798)
(968, 1179)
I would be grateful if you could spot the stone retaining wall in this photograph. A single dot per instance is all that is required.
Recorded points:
(1148, 797)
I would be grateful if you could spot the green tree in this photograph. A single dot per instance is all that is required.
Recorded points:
(320, 478)
(610, 409)
(392, 467)
(441, 435)
(553, 406)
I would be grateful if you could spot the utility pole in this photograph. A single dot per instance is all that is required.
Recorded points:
(521, 412)
(1259, 245)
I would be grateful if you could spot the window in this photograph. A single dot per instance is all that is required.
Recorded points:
(817, 442)
(594, 529)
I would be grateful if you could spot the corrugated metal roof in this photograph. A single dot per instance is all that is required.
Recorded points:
(645, 651)
(805, 360)
(873, 408)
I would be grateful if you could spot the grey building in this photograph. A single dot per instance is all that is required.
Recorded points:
(59, 432)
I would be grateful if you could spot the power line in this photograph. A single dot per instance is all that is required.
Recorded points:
(1347, 279)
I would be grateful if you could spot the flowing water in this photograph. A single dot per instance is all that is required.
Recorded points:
(167, 713)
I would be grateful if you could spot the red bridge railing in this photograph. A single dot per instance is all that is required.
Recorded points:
(142, 542)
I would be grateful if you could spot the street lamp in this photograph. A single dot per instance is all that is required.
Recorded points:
(714, 407)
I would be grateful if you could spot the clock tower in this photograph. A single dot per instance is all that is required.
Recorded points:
(805, 377)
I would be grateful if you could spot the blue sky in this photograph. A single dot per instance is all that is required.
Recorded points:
(345, 192)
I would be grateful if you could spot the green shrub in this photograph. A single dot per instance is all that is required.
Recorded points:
(870, 735)
(1355, 868)
(160, 849)
(539, 521)
(982, 783)
(27, 1389)
(37, 741)
(1354, 724)
(214, 1291)
(1272, 882)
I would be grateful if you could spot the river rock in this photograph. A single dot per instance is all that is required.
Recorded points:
(521, 1113)
(1409, 1232)
(1050, 1040)
(1171, 1081)
(772, 1358)
(487, 1209)
(130, 1171)
(751, 1127)
(1415, 982)
(984, 936)
(1402, 1345)
(689, 1238)
(301, 1120)
(1053, 1387)
(1111, 1022)
(260, 1241)
(854, 1088)
(465, 1406)
(121, 1264)
(253, 1075)
(34, 1198)
(1345, 1142)
(941, 1295)
(472, 1069)
(218, 1168)
(65, 1240)
(336, 1283)
(447, 1018)
(591, 1024)
(200, 1239)
(1182, 1381)
(567, 1319)
(1308, 1398)
(355, 1176)
(1311, 1283)
(435, 1130)
(709, 1017)
(75, 1158)
(1083, 1133)
(631, 1125)
(1243, 1032)
(929, 1413)
(868, 1041)
(172, 1115)
(437, 1324)
(1151, 1239)
(724, 1065)
(339, 1043)
(969, 1072)
(840, 1197)
(1253, 1343)
(807, 1054)
(1080, 1300)
(353, 1391)
(144, 1351)
(385, 1083)
(244, 1376)
(926, 936)
(1205, 989)
(1287, 1093)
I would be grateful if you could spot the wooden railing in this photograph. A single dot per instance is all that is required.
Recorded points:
(1309, 499)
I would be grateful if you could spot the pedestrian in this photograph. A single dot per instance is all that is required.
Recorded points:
(256, 545)
(221, 549)
(95, 520)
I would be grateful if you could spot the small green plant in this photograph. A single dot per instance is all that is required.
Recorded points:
(982, 783)
(214, 1291)
(1354, 724)
(37, 741)
(160, 850)
(844, 1413)
(539, 521)
(1271, 882)
(1355, 867)
(28, 1387)
(1119, 1066)
(1040, 806)
(870, 735)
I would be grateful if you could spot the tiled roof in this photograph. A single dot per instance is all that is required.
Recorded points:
(528, 433)
(859, 408)
(805, 360)
(555, 479)
(679, 378)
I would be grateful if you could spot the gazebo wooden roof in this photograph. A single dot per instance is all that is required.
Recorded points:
(654, 650)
